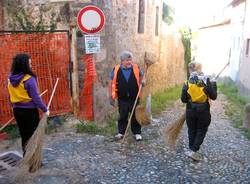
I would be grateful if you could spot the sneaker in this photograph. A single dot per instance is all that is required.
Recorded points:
(194, 155)
(138, 137)
(118, 136)
(189, 153)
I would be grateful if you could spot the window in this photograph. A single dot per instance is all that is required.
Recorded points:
(141, 17)
(157, 22)
(167, 14)
(247, 47)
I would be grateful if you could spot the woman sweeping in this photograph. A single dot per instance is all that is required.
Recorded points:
(24, 97)
(196, 93)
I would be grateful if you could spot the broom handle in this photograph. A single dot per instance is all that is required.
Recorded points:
(53, 92)
(138, 94)
(221, 71)
(129, 121)
(8, 122)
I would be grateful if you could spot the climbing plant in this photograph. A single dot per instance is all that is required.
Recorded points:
(30, 18)
(186, 40)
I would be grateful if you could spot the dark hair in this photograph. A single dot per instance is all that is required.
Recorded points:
(20, 64)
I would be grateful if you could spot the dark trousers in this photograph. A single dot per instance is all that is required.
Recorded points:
(27, 122)
(125, 107)
(197, 123)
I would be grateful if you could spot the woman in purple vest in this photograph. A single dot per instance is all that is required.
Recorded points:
(24, 97)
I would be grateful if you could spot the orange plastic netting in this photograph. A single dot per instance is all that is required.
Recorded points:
(50, 59)
(86, 94)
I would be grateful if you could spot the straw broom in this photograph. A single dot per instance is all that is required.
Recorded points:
(172, 131)
(33, 149)
(141, 114)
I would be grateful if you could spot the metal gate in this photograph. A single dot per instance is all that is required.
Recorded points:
(50, 54)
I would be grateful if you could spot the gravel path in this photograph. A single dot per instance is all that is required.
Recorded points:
(71, 158)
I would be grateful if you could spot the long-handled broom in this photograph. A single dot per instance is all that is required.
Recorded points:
(33, 149)
(142, 111)
(172, 130)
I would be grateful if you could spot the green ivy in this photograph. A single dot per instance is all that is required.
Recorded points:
(21, 18)
(186, 40)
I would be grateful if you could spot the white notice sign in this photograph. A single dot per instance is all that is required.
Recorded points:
(92, 44)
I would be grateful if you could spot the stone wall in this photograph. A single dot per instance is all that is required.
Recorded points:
(121, 33)
(1, 16)
(169, 70)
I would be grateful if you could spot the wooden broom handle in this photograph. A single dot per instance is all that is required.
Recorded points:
(131, 114)
(129, 121)
(8, 122)
(217, 76)
(53, 92)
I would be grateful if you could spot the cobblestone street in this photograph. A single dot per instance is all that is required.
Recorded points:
(71, 158)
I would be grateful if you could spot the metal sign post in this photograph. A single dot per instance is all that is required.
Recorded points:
(90, 20)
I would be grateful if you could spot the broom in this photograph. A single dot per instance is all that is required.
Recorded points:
(8, 122)
(142, 114)
(172, 131)
(131, 114)
(33, 149)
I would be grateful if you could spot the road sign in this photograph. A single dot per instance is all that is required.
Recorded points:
(92, 44)
(90, 19)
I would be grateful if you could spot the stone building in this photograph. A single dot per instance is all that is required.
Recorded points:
(134, 25)
(244, 66)
(1, 15)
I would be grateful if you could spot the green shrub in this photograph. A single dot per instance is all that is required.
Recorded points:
(12, 131)
(162, 100)
(92, 128)
(235, 108)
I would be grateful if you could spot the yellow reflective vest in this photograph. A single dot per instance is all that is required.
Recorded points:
(197, 93)
(19, 93)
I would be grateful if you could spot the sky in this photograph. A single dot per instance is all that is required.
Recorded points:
(196, 13)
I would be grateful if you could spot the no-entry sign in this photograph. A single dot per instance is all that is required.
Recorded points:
(90, 19)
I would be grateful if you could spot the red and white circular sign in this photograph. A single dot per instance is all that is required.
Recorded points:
(90, 19)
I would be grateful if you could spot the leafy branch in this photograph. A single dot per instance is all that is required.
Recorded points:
(21, 18)
(186, 40)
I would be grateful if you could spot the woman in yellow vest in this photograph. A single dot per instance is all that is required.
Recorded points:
(196, 93)
(24, 97)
